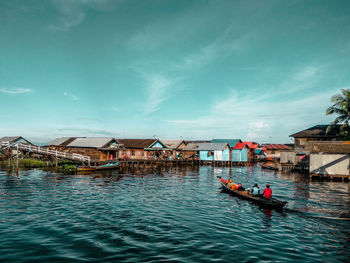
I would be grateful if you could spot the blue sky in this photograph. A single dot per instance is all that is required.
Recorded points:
(170, 69)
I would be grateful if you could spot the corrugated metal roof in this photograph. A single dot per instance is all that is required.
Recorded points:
(137, 143)
(13, 139)
(318, 131)
(196, 141)
(91, 142)
(10, 138)
(231, 142)
(172, 144)
(61, 141)
(212, 146)
(192, 146)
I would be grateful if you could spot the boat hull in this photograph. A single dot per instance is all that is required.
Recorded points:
(266, 202)
(98, 168)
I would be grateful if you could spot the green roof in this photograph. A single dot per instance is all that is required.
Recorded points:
(231, 142)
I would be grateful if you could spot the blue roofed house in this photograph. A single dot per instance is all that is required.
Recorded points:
(214, 152)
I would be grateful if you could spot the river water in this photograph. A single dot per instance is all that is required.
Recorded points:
(172, 215)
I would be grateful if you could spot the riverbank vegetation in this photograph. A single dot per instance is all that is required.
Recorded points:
(28, 163)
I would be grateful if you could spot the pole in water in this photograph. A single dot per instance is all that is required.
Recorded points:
(17, 153)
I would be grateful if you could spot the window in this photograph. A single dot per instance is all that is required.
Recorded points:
(132, 152)
(142, 153)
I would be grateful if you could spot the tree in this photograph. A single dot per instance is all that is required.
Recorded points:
(341, 107)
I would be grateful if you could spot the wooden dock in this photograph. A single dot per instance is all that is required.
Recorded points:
(139, 163)
(9, 148)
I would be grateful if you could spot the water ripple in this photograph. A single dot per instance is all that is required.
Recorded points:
(177, 215)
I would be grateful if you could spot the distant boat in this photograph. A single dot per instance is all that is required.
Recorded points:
(269, 167)
(267, 202)
(97, 168)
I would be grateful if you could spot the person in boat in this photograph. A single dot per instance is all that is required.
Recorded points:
(255, 190)
(229, 183)
(267, 191)
(223, 181)
(240, 187)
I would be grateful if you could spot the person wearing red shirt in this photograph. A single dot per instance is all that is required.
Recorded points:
(267, 192)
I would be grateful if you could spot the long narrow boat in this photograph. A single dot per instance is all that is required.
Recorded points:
(269, 167)
(267, 202)
(97, 168)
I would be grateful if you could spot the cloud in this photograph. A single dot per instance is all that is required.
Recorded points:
(73, 12)
(157, 91)
(116, 109)
(306, 73)
(74, 131)
(250, 115)
(15, 91)
(71, 96)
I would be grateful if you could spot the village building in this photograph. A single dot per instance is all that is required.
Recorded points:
(273, 151)
(15, 139)
(240, 152)
(214, 152)
(191, 150)
(143, 149)
(175, 147)
(252, 146)
(11, 140)
(329, 159)
(232, 143)
(98, 148)
(315, 133)
(288, 156)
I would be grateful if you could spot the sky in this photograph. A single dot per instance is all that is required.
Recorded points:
(256, 70)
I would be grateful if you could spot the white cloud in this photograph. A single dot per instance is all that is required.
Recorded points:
(14, 91)
(73, 12)
(71, 96)
(258, 125)
(306, 73)
(157, 91)
(254, 117)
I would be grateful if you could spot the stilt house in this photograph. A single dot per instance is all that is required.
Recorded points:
(214, 152)
(98, 148)
(143, 149)
(175, 147)
(240, 152)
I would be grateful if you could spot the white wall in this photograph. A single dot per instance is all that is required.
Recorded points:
(287, 156)
(332, 164)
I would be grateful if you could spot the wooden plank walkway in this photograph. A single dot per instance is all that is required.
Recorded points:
(45, 151)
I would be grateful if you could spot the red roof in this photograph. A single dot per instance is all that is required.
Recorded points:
(254, 146)
(277, 147)
(251, 145)
(239, 146)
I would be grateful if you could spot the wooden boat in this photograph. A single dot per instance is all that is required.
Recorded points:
(267, 202)
(269, 167)
(97, 168)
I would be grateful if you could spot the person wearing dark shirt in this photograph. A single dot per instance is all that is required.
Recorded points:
(240, 187)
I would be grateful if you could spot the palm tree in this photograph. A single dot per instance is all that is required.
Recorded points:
(341, 107)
